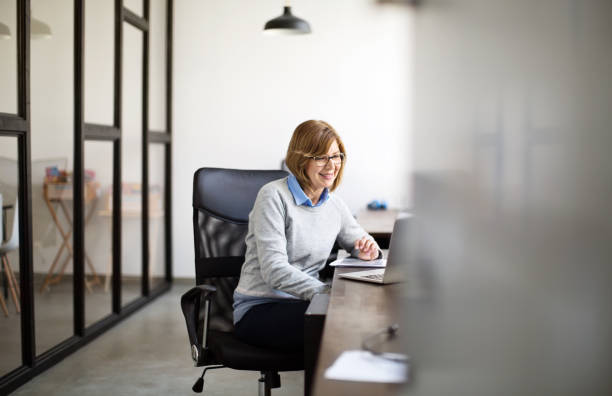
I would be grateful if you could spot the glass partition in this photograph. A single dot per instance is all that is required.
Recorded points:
(131, 198)
(157, 62)
(157, 185)
(98, 230)
(10, 319)
(52, 150)
(99, 61)
(8, 60)
(136, 6)
(43, 80)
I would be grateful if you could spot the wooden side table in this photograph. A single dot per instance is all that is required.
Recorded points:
(59, 194)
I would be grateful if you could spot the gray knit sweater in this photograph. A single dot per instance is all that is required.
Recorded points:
(288, 244)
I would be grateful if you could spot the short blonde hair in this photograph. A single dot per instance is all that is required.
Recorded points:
(312, 138)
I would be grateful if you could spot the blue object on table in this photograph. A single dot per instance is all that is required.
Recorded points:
(377, 205)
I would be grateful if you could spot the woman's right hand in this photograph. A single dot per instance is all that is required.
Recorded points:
(368, 249)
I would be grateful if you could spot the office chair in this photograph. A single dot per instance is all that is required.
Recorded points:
(222, 200)
(7, 246)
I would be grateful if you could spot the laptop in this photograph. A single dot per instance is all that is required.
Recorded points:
(398, 254)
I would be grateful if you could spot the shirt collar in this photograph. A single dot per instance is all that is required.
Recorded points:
(300, 197)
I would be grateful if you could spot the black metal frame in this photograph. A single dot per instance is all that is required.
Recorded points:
(18, 126)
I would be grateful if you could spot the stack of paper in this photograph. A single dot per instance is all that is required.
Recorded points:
(363, 366)
(355, 262)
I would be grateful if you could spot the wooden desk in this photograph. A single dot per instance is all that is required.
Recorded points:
(356, 310)
(480, 329)
(474, 324)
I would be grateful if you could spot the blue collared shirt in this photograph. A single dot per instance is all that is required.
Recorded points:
(300, 197)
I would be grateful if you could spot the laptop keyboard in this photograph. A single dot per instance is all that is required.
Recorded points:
(377, 277)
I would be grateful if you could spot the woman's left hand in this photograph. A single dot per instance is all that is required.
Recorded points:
(368, 249)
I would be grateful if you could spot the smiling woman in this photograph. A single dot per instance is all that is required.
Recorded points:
(315, 156)
(323, 170)
(292, 229)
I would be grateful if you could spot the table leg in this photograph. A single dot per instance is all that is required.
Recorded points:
(3, 304)
(96, 279)
(50, 279)
(88, 286)
(51, 269)
(11, 282)
(65, 236)
(4, 291)
(12, 275)
(4, 283)
(59, 275)
(88, 217)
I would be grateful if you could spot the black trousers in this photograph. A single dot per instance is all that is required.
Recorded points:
(277, 325)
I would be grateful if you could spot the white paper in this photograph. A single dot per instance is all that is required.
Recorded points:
(355, 262)
(363, 366)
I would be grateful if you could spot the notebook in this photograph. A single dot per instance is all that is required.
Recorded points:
(398, 254)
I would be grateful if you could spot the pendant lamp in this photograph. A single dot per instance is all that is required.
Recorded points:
(286, 24)
(5, 32)
(39, 29)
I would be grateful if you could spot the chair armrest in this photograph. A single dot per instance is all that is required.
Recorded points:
(209, 289)
(195, 304)
(318, 305)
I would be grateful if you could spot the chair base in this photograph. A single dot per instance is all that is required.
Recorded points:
(262, 389)
(199, 384)
(268, 381)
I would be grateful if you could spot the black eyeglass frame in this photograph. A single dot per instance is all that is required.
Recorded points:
(327, 158)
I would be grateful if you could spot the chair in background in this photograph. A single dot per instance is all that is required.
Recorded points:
(2, 303)
(11, 244)
(283, 166)
(222, 200)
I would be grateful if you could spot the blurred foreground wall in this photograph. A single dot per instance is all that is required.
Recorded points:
(511, 279)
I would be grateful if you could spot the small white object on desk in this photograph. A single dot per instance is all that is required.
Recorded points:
(355, 262)
(363, 366)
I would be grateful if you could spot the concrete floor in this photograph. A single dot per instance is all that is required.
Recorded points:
(147, 354)
(53, 311)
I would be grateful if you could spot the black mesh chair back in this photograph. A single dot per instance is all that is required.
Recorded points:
(222, 201)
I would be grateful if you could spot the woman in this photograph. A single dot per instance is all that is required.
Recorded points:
(292, 229)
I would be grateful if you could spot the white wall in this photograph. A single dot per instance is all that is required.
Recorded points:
(238, 95)
(8, 64)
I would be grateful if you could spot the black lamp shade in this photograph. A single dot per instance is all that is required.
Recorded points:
(287, 24)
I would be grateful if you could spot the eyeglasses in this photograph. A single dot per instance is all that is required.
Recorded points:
(322, 160)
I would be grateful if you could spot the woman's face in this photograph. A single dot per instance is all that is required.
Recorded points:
(323, 176)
